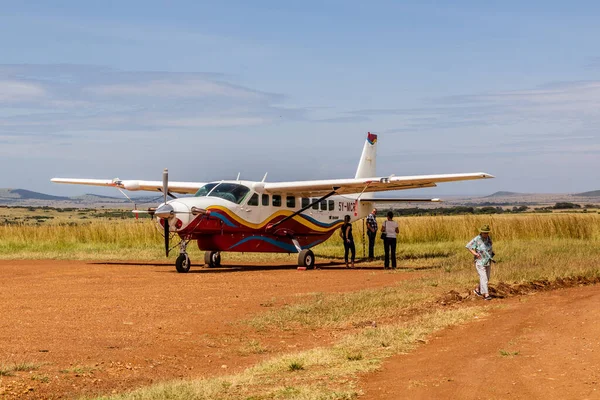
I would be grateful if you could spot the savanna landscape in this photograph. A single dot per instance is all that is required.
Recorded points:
(92, 309)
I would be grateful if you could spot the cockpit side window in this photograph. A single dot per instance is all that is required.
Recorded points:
(253, 200)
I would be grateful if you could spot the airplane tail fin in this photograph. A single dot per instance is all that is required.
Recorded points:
(366, 166)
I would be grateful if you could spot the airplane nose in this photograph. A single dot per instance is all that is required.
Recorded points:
(164, 211)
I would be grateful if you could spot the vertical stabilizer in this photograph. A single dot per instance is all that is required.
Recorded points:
(368, 160)
(366, 165)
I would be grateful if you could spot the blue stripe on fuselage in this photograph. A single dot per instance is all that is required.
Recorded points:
(288, 247)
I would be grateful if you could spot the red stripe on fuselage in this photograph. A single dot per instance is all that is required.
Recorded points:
(221, 233)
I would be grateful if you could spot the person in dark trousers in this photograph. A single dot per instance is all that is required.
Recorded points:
(390, 228)
(348, 241)
(372, 232)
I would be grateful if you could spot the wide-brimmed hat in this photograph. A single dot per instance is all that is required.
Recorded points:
(485, 229)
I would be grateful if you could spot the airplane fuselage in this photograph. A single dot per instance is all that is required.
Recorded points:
(248, 221)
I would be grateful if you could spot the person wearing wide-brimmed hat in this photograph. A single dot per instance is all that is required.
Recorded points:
(481, 248)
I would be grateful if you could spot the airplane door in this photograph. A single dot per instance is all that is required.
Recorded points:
(251, 206)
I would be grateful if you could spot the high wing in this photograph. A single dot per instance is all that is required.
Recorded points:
(152, 186)
(367, 185)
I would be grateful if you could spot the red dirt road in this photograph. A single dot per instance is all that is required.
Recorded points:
(94, 328)
(541, 346)
(104, 327)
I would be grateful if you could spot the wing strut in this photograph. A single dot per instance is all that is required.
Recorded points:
(358, 199)
(305, 208)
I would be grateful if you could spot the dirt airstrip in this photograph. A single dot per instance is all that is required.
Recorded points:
(95, 328)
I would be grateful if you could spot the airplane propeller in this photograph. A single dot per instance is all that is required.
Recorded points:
(166, 220)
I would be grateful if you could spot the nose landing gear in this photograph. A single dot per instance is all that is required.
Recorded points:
(183, 262)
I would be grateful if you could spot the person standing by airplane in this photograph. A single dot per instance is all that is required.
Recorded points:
(348, 241)
(390, 228)
(372, 232)
(481, 248)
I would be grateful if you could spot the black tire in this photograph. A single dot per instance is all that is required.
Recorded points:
(306, 258)
(183, 263)
(212, 259)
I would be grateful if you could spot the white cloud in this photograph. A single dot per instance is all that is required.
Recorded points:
(562, 94)
(209, 122)
(185, 88)
(13, 91)
(55, 98)
(569, 104)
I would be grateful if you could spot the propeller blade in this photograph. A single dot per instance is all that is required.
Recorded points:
(166, 223)
(166, 220)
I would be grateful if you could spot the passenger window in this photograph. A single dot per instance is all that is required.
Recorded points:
(323, 205)
(290, 201)
(315, 206)
(331, 205)
(265, 199)
(253, 200)
(305, 202)
(276, 200)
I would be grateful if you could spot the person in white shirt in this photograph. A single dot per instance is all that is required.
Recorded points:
(390, 228)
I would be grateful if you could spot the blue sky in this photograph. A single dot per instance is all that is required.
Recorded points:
(209, 89)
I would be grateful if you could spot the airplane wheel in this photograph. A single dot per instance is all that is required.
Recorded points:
(212, 259)
(306, 258)
(183, 263)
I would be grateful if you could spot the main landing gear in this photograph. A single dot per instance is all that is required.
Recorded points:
(212, 259)
(306, 259)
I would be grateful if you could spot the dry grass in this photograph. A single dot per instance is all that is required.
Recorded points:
(124, 239)
(461, 228)
(320, 373)
(343, 309)
(10, 369)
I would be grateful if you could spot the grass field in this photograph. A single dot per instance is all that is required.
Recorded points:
(439, 241)
(529, 247)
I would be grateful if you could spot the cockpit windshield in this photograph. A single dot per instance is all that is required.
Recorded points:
(229, 191)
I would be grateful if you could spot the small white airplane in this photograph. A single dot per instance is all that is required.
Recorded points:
(276, 217)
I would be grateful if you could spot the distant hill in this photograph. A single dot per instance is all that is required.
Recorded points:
(22, 194)
(593, 193)
(23, 197)
(97, 198)
(27, 198)
(504, 194)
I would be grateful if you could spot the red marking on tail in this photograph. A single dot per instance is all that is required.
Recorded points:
(371, 138)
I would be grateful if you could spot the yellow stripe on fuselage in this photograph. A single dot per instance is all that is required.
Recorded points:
(284, 213)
